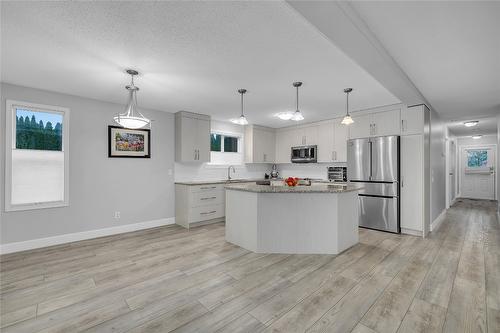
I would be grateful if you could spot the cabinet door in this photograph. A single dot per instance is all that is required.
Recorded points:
(412, 120)
(411, 182)
(202, 140)
(340, 141)
(284, 143)
(326, 142)
(361, 127)
(270, 156)
(386, 123)
(310, 135)
(189, 128)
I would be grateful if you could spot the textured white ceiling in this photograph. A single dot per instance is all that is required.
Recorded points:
(192, 55)
(449, 49)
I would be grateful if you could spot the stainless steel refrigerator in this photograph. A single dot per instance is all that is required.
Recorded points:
(374, 163)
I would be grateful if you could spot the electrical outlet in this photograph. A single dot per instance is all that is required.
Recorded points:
(116, 215)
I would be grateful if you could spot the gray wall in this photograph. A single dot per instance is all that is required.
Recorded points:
(141, 189)
(437, 165)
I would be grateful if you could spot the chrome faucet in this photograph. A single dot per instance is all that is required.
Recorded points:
(229, 172)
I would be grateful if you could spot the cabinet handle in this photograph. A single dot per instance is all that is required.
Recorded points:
(210, 212)
(208, 198)
(402, 125)
(264, 157)
(374, 129)
(371, 129)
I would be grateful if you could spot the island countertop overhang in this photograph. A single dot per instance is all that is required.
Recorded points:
(315, 188)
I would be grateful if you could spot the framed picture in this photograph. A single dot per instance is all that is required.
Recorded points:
(124, 142)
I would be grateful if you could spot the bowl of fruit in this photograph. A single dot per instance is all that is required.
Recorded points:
(292, 181)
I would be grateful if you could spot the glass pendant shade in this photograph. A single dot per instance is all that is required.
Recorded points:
(242, 120)
(347, 118)
(297, 116)
(131, 117)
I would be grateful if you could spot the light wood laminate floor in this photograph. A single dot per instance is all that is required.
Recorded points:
(170, 279)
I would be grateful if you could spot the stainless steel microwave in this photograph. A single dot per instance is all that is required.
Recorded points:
(304, 154)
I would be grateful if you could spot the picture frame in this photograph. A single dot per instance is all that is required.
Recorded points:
(126, 142)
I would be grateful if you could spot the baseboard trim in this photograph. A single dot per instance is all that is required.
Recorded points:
(411, 232)
(438, 221)
(78, 236)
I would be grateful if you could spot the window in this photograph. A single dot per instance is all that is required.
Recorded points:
(36, 156)
(225, 149)
(223, 143)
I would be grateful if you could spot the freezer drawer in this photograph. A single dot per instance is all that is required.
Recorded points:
(379, 213)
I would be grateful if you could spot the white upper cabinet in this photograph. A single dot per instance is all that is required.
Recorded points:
(332, 141)
(192, 137)
(361, 128)
(260, 143)
(412, 120)
(284, 143)
(386, 123)
(326, 142)
(340, 133)
(376, 124)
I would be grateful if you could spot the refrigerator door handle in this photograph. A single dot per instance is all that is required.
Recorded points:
(370, 145)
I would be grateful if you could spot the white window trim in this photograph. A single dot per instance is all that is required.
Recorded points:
(241, 150)
(10, 140)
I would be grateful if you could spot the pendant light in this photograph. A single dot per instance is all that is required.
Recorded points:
(297, 115)
(347, 119)
(131, 117)
(242, 120)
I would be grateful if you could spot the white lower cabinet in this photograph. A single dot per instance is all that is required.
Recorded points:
(199, 204)
(412, 184)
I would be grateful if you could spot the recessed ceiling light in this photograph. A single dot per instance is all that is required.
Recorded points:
(475, 137)
(471, 123)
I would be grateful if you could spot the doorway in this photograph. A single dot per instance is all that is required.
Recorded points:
(478, 172)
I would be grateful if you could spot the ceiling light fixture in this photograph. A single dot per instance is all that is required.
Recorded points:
(347, 118)
(242, 120)
(132, 118)
(476, 137)
(285, 115)
(297, 115)
(471, 123)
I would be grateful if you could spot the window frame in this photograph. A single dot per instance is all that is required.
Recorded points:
(240, 151)
(10, 144)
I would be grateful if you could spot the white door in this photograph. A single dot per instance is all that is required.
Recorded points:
(412, 179)
(452, 170)
(478, 172)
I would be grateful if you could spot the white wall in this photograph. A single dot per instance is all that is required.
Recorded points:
(437, 165)
(485, 140)
(141, 189)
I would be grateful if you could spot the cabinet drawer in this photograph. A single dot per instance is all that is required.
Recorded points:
(206, 188)
(203, 213)
(205, 198)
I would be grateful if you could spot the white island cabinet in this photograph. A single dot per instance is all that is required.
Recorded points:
(321, 219)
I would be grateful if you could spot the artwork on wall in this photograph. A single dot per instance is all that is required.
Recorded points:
(124, 142)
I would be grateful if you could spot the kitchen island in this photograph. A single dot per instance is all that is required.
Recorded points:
(321, 218)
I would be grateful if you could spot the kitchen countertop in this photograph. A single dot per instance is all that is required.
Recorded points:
(315, 188)
(221, 181)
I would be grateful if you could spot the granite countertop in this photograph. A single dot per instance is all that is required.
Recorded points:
(222, 181)
(315, 188)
